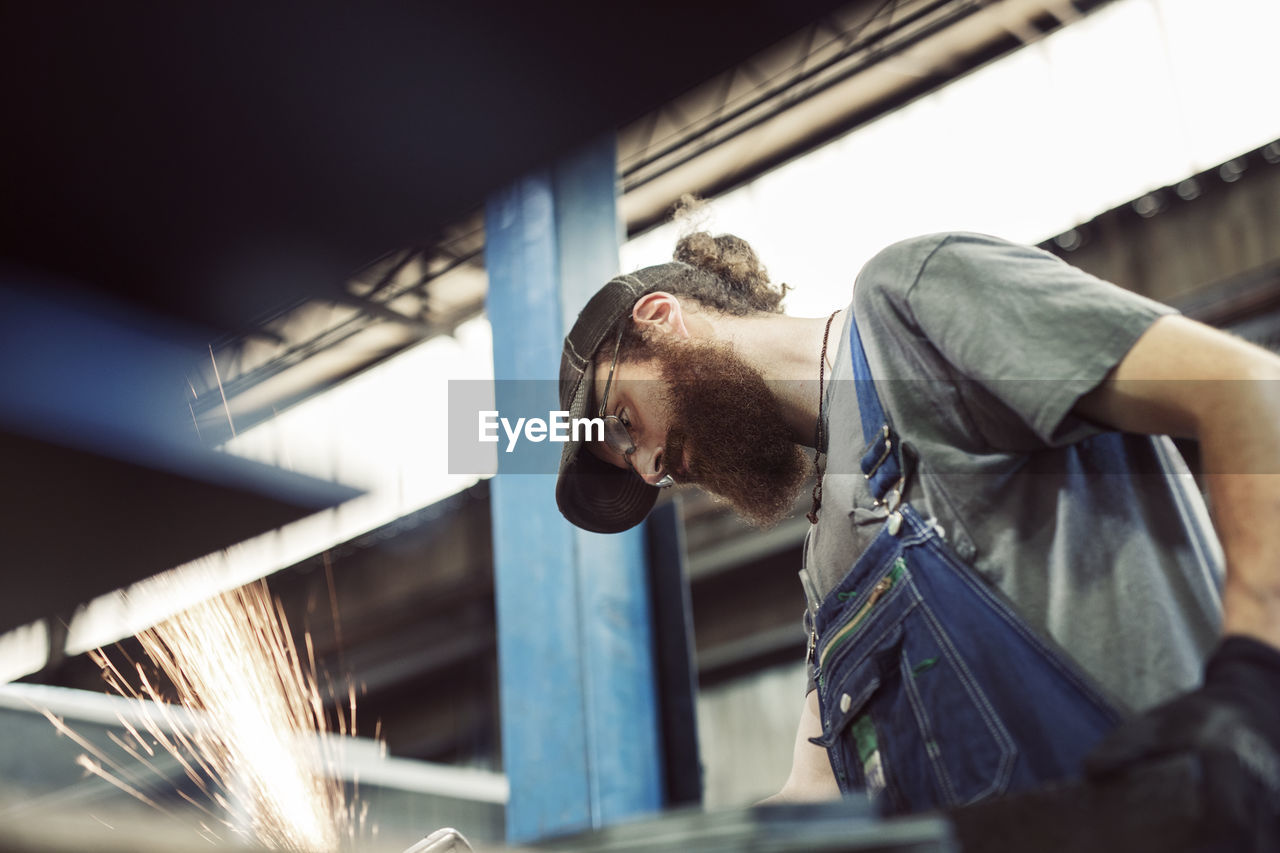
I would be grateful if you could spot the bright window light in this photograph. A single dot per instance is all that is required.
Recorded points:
(1138, 95)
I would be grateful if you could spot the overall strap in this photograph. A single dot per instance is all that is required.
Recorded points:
(881, 464)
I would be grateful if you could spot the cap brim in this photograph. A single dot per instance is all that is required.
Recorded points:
(590, 492)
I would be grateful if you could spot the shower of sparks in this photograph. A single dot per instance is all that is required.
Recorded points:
(249, 729)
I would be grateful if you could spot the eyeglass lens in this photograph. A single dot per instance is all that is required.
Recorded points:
(617, 437)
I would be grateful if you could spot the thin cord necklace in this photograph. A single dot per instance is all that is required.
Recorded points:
(820, 429)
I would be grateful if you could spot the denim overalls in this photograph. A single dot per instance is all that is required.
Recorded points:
(933, 691)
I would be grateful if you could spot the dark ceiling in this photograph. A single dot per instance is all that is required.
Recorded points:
(212, 163)
(215, 161)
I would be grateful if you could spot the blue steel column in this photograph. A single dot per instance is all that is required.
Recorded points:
(579, 719)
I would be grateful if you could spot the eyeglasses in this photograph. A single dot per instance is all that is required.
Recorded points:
(617, 436)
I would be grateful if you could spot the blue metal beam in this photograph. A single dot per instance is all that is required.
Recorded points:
(579, 713)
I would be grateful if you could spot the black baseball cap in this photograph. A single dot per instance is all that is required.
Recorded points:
(590, 492)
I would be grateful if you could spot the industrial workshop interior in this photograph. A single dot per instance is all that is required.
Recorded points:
(291, 339)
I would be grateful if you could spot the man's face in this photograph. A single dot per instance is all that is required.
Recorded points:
(699, 412)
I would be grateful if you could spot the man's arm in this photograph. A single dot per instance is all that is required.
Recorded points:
(1186, 379)
(811, 777)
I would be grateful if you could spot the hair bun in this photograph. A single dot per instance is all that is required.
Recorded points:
(729, 258)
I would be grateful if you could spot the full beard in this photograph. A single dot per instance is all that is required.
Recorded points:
(723, 415)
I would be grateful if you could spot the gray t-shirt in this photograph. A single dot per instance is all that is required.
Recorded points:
(987, 346)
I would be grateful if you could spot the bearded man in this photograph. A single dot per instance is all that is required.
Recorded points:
(1010, 568)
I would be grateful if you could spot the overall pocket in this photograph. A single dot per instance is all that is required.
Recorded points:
(903, 716)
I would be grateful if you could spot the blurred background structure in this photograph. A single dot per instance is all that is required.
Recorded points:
(243, 253)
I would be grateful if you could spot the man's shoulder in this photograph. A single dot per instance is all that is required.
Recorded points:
(951, 260)
(888, 277)
(913, 253)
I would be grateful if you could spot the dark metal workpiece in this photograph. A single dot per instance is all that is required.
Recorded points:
(832, 827)
(1159, 808)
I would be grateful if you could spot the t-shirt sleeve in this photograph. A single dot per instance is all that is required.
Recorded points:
(1021, 333)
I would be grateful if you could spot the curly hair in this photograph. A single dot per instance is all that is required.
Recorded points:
(733, 280)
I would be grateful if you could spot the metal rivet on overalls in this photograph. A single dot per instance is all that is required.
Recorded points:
(893, 499)
(895, 523)
(845, 701)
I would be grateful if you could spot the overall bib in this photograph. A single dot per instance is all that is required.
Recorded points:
(934, 693)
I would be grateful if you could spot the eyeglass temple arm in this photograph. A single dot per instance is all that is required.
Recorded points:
(604, 401)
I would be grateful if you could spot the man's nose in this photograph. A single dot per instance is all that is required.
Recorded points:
(649, 464)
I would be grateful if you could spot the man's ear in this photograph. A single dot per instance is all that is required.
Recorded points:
(661, 312)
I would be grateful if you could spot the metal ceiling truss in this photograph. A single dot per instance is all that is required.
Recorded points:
(716, 136)
(725, 107)
(391, 304)
(842, 71)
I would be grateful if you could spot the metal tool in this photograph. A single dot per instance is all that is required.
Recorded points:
(443, 840)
